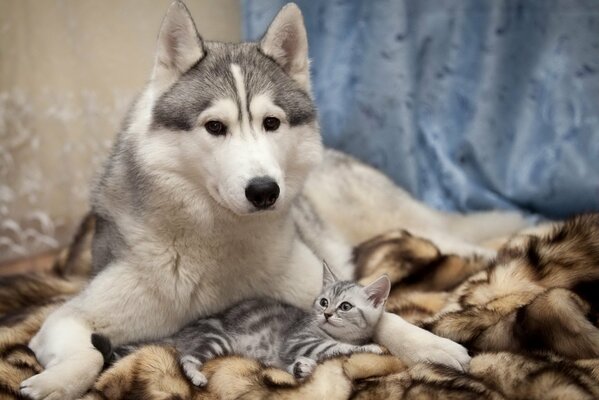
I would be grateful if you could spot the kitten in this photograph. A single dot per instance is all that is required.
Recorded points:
(341, 322)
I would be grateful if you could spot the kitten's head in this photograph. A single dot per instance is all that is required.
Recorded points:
(349, 311)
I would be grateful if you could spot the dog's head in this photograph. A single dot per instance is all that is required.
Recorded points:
(235, 120)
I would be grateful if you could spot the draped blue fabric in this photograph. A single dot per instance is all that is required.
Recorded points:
(468, 104)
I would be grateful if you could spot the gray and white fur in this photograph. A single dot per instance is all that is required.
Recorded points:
(341, 322)
(217, 190)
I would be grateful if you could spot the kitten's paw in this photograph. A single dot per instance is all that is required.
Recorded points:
(303, 368)
(371, 348)
(191, 366)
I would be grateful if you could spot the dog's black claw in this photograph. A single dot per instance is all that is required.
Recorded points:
(103, 345)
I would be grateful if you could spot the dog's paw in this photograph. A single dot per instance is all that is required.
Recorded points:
(191, 366)
(44, 386)
(413, 344)
(302, 368)
(438, 350)
(68, 379)
(371, 348)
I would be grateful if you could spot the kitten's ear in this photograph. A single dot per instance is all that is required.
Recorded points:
(378, 291)
(328, 277)
(179, 45)
(286, 42)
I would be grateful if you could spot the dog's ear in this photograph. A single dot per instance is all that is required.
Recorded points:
(179, 45)
(286, 42)
(378, 291)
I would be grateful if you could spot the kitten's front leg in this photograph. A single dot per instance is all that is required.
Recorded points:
(371, 348)
(302, 368)
(339, 349)
(345, 349)
(209, 346)
(191, 366)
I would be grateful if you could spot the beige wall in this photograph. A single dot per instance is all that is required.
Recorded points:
(68, 70)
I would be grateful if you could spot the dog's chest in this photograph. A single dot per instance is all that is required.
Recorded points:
(206, 275)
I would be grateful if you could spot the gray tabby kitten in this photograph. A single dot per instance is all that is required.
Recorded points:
(341, 322)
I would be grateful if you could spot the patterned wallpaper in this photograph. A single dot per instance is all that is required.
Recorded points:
(68, 70)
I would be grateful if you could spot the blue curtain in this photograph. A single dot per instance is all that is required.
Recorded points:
(468, 104)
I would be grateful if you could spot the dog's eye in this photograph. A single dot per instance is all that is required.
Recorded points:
(271, 123)
(215, 128)
(345, 306)
(324, 302)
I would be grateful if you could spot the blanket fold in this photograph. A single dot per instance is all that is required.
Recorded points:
(529, 317)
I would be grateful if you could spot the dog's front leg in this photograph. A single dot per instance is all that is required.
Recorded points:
(118, 304)
(413, 344)
(72, 363)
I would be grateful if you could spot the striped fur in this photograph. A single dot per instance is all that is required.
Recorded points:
(530, 316)
(540, 294)
(280, 335)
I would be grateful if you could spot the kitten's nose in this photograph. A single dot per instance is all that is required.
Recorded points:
(327, 316)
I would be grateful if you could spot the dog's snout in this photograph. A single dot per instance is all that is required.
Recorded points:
(262, 192)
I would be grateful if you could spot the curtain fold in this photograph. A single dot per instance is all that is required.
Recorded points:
(468, 104)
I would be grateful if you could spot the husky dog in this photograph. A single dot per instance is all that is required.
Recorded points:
(215, 192)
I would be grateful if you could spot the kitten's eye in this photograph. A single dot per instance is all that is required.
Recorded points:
(324, 303)
(215, 128)
(271, 123)
(345, 306)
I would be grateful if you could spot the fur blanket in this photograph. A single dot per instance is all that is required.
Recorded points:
(529, 318)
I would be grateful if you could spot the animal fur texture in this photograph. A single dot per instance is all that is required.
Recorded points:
(341, 322)
(529, 317)
(219, 173)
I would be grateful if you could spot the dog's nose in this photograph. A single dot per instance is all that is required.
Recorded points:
(262, 192)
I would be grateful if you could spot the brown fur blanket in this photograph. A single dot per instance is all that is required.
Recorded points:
(529, 318)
